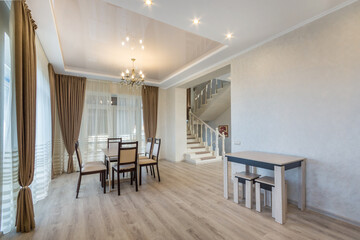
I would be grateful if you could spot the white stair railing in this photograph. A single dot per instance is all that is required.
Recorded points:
(201, 96)
(201, 131)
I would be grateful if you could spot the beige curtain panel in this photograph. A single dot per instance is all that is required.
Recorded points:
(25, 85)
(150, 108)
(70, 96)
(53, 107)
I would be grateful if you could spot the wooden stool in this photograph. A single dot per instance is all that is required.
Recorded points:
(246, 179)
(268, 184)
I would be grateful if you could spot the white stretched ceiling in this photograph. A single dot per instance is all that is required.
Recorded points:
(83, 37)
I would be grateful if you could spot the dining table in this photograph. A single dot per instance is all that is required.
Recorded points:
(279, 163)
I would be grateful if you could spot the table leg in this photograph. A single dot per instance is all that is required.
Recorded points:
(110, 169)
(302, 186)
(280, 198)
(226, 190)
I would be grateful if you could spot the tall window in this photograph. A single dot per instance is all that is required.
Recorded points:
(42, 175)
(8, 148)
(110, 110)
(9, 160)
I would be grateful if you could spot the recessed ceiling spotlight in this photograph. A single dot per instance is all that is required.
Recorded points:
(142, 47)
(148, 2)
(196, 21)
(140, 41)
(122, 43)
(229, 36)
(127, 39)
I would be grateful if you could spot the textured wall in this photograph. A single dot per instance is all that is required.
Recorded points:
(300, 95)
(172, 123)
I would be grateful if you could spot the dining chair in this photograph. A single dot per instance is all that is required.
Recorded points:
(126, 162)
(153, 161)
(89, 168)
(148, 150)
(111, 143)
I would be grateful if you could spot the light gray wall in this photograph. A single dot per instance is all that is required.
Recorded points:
(223, 119)
(172, 123)
(300, 95)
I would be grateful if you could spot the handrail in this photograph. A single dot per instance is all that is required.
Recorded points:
(192, 125)
(206, 92)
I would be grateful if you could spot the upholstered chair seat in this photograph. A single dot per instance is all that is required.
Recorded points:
(124, 167)
(92, 168)
(145, 161)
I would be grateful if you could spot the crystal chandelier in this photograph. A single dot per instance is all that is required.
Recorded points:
(132, 78)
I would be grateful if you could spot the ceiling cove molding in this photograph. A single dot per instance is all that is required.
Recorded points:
(195, 62)
(101, 76)
(227, 60)
(70, 70)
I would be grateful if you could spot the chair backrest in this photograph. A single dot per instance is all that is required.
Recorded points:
(128, 153)
(113, 142)
(78, 154)
(156, 149)
(149, 146)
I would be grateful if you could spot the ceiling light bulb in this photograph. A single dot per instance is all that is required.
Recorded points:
(123, 74)
(132, 76)
(140, 72)
(127, 39)
(142, 47)
(196, 21)
(127, 71)
(142, 76)
(148, 2)
(122, 43)
(229, 35)
(140, 41)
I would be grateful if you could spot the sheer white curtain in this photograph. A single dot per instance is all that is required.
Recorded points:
(42, 176)
(110, 110)
(9, 157)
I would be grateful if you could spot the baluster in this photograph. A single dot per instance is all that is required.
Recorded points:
(211, 141)
(206, 93)
(201, 135)
(217, 142)
(206, 139)
(223, 146)
(216, 85)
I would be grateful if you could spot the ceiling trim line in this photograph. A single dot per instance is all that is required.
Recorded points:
(191, 64)
(101, 76)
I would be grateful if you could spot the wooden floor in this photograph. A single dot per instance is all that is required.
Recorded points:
(188, 203)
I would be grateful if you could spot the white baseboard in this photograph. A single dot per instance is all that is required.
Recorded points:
(328, 214)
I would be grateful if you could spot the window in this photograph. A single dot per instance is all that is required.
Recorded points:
(9, 186)
(109, 111)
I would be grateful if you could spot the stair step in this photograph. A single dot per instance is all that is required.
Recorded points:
(191, 138)
(204, 152)
(193, 143)
(207, 158)
(196, 147)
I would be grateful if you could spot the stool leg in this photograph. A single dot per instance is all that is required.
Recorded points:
(236, 189)
(273, 203)
(286, 202)
(248, 195)
(242, 191)
(257, 196)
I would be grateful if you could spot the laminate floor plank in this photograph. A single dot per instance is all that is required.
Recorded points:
(187, 204)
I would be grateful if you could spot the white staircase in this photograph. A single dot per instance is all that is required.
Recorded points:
(202, 142)
(211, 99)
